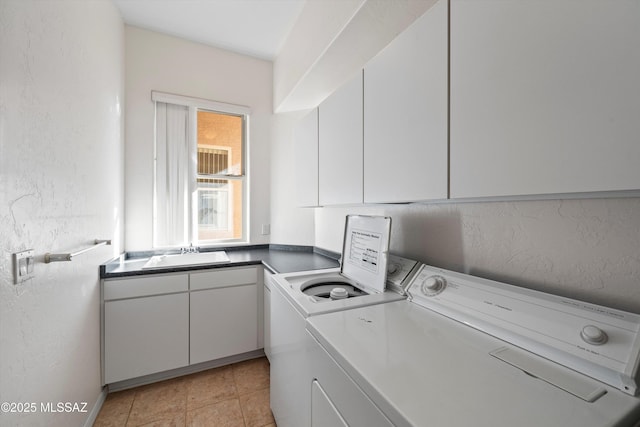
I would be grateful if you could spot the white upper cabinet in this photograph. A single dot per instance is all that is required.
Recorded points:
(405, 114)
(340, 145)
(305, 139)
(545, 97)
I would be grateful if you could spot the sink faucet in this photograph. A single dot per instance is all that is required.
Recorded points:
(190, 250)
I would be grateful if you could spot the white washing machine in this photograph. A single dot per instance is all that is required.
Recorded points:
(465, 351)
(360, 281)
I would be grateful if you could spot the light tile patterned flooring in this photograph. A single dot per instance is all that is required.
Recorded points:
(230, 396)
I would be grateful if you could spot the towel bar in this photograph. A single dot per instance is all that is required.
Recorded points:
(68, 257)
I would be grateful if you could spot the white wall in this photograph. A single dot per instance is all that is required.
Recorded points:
(586, 249)
(61, 186)
(169, 64)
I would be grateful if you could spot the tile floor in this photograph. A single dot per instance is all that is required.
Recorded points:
(230, 396)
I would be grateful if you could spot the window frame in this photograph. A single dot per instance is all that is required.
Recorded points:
(194, 105)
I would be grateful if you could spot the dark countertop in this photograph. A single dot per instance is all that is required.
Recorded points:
(277, 258)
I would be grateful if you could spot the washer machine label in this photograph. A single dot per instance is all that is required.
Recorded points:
(365, 249)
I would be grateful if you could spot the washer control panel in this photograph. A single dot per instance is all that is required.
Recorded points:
(399, 273)
(598, 341)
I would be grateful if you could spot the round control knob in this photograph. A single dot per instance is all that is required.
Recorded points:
(393, 268)
(593, 335)
(338, 293)
(433, 285)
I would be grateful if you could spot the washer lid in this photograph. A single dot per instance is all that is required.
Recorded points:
(366, 251)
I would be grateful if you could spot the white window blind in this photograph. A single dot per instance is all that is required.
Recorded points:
(172, 175)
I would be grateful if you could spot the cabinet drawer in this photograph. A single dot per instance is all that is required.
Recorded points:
(144, 286)
(223, 278)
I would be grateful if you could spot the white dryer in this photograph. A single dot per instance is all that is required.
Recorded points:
(465, 351)
(360, 281)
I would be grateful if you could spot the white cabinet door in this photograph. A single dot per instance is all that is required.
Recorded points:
(305, 139)
(145, 335)
(224, 322)
(544, 97)
(340, 145)
(405, 114)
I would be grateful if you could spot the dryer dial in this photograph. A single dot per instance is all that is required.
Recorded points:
(593, 335)
(433, 285)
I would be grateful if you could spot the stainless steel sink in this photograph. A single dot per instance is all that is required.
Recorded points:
(187, 259)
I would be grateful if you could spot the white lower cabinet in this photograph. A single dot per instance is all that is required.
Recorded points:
(159, 322)
(224, 322)
(143, 336)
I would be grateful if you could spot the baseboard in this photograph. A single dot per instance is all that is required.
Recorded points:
(93, 414)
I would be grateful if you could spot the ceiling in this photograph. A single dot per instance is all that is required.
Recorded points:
(251, 27)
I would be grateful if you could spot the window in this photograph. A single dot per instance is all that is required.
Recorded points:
(213, 194)
(200, 172)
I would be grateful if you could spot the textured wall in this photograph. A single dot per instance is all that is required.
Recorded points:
(586, 249)
(61, 92)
